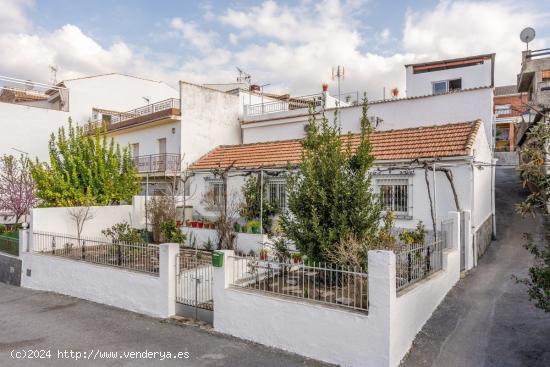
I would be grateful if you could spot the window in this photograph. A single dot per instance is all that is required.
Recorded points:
(217, 190)
(445, 86)
(440, 87)
(455, 84)
(394, 195)
(277, 193)
(135, 150)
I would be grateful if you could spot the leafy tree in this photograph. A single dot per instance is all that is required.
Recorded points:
(251, 202)
(534, 175)
(17, 188)
(84, 170)
(330, 198)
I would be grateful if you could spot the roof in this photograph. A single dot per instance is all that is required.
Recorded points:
(450, 140)
(452, 62)
(17, 95)
(506, 90)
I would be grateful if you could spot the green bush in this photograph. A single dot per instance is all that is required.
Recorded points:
(170, 232)
(2, 228)
(417, 235)
(254, 226)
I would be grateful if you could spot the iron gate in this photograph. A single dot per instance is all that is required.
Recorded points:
(194, 277)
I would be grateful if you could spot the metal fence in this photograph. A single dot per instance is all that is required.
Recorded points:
(167, 162)
(319, 282)
(171, 103)
(416, 262)
(133, 256)
(309, 101)
(9, 245)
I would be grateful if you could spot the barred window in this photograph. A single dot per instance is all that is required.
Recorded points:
(394, 194)
(218, 191)
(277, 193)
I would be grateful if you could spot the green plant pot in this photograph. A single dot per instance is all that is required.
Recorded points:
(217, 259)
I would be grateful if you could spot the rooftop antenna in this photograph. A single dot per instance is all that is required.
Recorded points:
(53, 72)
(338, 73)
(243, 77)
(527, 35)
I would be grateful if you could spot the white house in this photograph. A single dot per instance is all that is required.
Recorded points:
(31, 111)
(401, 159)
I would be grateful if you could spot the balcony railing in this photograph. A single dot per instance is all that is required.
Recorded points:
(167, 104)
(302, 102)
(33, 94)
(537, 54)
(544, 86)
(158, 163)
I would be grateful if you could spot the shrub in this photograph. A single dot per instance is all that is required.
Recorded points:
(123, 232)
(417, 235)
(169, 232)
(254, 226)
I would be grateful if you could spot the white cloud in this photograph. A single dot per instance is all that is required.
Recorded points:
(293, 47)
(191, 33)
(12, 16)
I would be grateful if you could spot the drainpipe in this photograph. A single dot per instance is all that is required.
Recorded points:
(435, 201)
(262, 202)
(473, 216)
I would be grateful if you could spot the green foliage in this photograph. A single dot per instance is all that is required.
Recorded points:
(280, 249)
(171, 233)
(250, 209)
(2, 228)
(208, 245)
(534, 175)
(160, 210)
(123, 232)
(330, 198)
(244, 228)
(85, 170)
(417, 235)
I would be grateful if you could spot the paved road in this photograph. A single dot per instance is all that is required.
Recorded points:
(41, 320)
(487, 320)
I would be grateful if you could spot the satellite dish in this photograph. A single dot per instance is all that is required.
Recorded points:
(527, 35)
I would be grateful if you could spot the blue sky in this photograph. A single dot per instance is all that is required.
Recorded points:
(290, 44)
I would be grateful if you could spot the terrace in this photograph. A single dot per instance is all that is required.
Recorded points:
(161, 112)
(34, 94)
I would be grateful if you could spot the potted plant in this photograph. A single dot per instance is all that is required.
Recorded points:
(263, 254)
(200, 224)
(194, 224)
(237, 227)
(244, 228)
(296, 257)
(395, 92)
(254, 226)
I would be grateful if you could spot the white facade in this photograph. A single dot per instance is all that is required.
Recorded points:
(395, 114)
(470, 76)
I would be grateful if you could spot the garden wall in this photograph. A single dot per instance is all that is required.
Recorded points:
(139, 292)
(336, 335)
(246, 242)
(58, 220)
(10, 269)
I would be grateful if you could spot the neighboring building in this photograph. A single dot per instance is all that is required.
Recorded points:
(509, 106)
(425, 104)
(398, 174)
(534, 79)
(30, 112)
(444, 76)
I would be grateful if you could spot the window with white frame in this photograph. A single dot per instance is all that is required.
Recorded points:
(217, 190)
(394, 194)
(277, 192)
(445, 86)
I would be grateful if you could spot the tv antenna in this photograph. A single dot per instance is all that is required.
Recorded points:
(527, 35)
(243, 77)
(53, 72)
(339, 73)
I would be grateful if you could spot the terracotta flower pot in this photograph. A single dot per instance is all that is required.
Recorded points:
(194, 224)
(200, 224)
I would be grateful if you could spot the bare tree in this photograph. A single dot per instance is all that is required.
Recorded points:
(80, 215)
(17, 189)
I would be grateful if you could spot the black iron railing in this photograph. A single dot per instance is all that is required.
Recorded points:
(152, 163)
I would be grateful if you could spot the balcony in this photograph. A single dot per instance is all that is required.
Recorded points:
(167, 110)
(33, 94)
(313, 101)
(167, 163)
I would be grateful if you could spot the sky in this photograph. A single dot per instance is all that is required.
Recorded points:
(290, 45)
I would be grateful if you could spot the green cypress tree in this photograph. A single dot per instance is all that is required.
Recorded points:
(85, 169)
(330, 197)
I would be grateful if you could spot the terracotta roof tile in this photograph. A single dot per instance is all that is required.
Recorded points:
(449, 140)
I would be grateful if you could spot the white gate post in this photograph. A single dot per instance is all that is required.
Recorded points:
(455, 240)
(468, 241)
(167, 273)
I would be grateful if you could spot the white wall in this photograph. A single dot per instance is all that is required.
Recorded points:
(28, 129)
(334, 335)
(245, 242)
(209, 118)
(147, 137)
(397, 114)
(57, 220)
(142, 293)
(472, 77)
(115, 92)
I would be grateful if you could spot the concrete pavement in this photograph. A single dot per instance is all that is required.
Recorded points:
(487, 319)
(33, 320)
